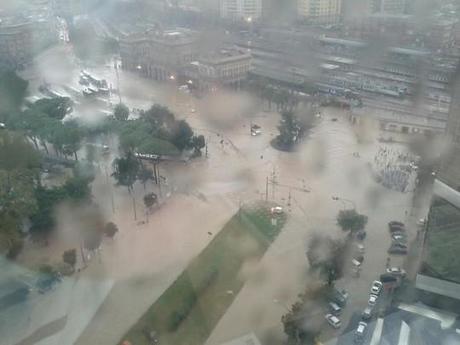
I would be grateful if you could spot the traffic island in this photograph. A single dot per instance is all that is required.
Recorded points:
(188, 311)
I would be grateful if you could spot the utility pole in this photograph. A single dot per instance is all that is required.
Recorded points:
(159, 181)
(155, 176)
(134, 208)
(273, 182)
(118, 82)
(266, 190)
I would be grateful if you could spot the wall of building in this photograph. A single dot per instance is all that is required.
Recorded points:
(248, 10)
(320, 11)
(158, 55)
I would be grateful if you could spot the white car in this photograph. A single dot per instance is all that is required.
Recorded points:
(360, 331)
(421, 221)
(376, 287)
(276, 210)
(396, 271)
(334, 321)
(372, 299)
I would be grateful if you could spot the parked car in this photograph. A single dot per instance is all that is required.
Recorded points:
(372, 300)
(344, 293)
(376, 287)
(276, 210)
(361, 235)
(339, 297)
(334, 308)
(397, 228)
(421, 222)
(356, 263)
(360, 248)
(333, 320)
(396, 271)
(395, 223)
(360, 332)
(399, 237)
(399, 244)
(367, 313)
(397, 250)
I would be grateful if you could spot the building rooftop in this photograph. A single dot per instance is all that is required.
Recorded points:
(408, 51)
(438, 286)
(167, 37)
(340, 41)
(225, 55)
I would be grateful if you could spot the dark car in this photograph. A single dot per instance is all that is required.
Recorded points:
(397, 250)
(396, 223)
(399, 244)
(361, 235)
(397, 228)
(339, 297)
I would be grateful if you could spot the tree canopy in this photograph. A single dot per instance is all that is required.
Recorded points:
(157, 132)
(302, 324)
(121, 112)
(326, 256)
(126, 170)
(12, 92)
(56, 107)
(350, 220)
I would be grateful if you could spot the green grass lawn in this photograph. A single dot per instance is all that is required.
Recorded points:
(443, 246)
(190, 308)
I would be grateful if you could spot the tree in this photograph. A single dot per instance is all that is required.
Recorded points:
(66, 138)
(326, 256)
(182, 135)
(290, 130)
(12, 92)
(19, 164)
(150, 200)
(56, 108)
(70, 257)
(160, 119)
(126, 170)
(121, 112)
(145, 174)
(110, 229)
(75, 189)
(90, 153)
(303, 322)
(350, 220)
(198, 143)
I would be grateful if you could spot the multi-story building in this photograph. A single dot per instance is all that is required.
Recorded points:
(355, 10)
(320, 11)
(227, 66)
(440, 34)
(439, 277)
(158, 54)
(236, 10)
(21, 38)
(388, 6)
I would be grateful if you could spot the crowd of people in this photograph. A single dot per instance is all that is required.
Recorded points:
(395, 169)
